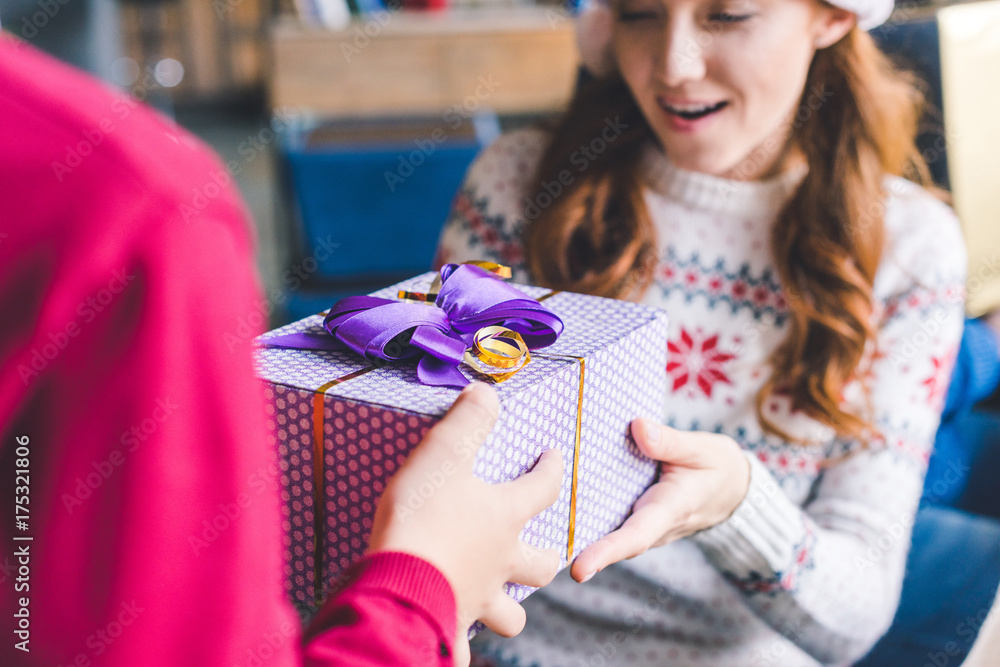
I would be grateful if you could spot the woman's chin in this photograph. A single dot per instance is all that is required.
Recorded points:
(728, 164)
(701, 163)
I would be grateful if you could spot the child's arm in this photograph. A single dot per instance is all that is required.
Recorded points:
(394, 609)
(398, 606)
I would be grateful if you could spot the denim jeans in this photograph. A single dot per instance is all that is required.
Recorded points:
(952, 575)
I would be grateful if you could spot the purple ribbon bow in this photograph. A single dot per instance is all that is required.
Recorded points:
(470, 298)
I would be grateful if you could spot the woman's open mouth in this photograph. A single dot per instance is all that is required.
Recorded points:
(687, 117)
(692, 111)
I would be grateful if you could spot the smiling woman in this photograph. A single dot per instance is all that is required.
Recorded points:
(761, 191)
(745, 98)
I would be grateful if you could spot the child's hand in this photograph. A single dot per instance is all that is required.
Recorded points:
(703, 479)
(435, 508)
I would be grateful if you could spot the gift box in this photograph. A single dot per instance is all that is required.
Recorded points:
(343, 425)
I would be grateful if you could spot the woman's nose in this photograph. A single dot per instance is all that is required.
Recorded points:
(683, 55)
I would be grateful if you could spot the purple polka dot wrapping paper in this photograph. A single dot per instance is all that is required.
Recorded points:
(372, 421)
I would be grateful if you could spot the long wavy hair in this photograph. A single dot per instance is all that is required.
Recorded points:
(597, 237)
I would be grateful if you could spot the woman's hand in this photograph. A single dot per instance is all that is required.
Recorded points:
(435, 508)
(703, 479)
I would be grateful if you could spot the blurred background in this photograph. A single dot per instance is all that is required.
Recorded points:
(345, 121)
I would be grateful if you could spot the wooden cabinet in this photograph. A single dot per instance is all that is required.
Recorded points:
(513, 60)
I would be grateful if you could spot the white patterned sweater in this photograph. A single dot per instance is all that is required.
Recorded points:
(809, 568)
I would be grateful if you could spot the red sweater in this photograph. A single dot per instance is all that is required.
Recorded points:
(126, 392)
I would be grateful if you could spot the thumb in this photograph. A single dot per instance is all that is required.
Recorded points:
(666, 444)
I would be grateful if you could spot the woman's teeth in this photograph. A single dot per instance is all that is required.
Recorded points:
(693, 111)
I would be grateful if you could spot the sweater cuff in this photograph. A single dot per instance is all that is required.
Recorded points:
(411, 579)
(765, 541)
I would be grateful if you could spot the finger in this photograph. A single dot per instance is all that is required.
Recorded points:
(504, 616)
(461, 432)
(639, 532)
(537, 489)
(663, 443)
(537, 568)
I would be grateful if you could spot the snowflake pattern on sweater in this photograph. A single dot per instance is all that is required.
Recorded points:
(697, 361)
(809, 568)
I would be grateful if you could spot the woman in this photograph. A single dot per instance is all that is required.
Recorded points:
(742, 164)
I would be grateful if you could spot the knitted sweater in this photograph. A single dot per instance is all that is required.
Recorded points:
(809, 568)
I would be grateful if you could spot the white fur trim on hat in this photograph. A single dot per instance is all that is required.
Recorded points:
(870, 13)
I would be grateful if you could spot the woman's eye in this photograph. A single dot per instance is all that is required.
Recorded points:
(727, 18)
